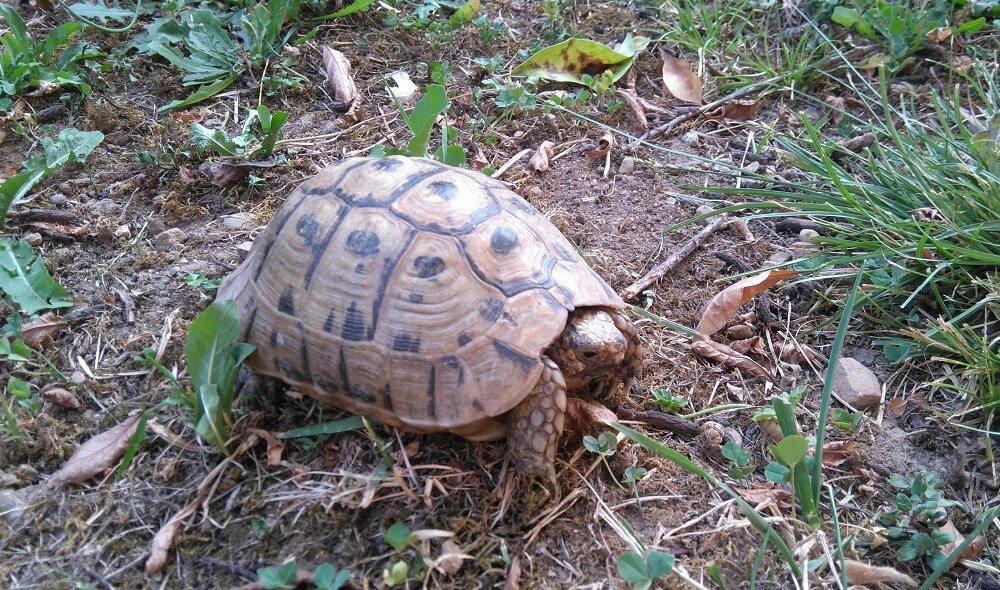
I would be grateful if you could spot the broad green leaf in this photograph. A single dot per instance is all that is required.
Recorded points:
(17, 41)
(659, 564)
(570, 60)
(465, 13)
(335, 427)
(791, 450)
(204, 92)
(18, 388)
(851, 18)
(397, 536)
(214, 140)
(210, 337)
(356, 6)
(26, 281)
(632, 567)
(208, 414)
(101, 12)
(985, 146)
(14, 188)
(421, 120)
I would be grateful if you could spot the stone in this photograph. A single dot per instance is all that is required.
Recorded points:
(236, 221)
(33, 239)
(168, 239)
(58, 199)
(627, 166)
(856, 384)
(691, 138)
(808, 235)
(123, 232)
(243, 250)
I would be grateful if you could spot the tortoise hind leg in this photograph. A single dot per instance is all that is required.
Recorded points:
(537, 423)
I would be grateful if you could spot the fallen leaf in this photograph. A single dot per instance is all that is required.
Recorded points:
(837, 452)
(539, 161)
(974, 549)
(224, 174)
(720, 353)
(450, 561)
(638, 113)
(939, 35)
(722, 308)
(338, 77)
(759, 495)
(679, 79)
(586, 416)
(513, 581)
(187, 117)
(772, 429)
(404, 88)
(57, 230)
(40, 331)
(97, 454)
(734, 110)
(187, 177)
(895, 407)
(604, 146)
(862, 574)
(479, 160)
(61, 397)
(794, 353)
(572, 59)
(274, 446)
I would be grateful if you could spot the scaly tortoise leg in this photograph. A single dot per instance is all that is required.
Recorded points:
(537, 423)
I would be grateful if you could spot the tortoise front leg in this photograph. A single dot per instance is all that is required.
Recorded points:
(537, 423)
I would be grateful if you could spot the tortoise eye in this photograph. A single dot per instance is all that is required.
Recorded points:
(589, 354)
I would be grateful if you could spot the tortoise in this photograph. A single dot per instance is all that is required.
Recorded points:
(432, 299)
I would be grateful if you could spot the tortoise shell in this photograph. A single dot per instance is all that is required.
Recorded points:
(421, 295)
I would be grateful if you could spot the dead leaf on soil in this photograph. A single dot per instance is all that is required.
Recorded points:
(159, 549)
(450, 561)
(479, 160)
(862, 574)
(228, 174)
(838, 451)
(723, 307)
(756, 496)
(338, 77)
(939, 35)
(772, 429)
(895, 407)
(61, 397)
(974, 549)
(274, 446)
(40, 331)
(585, 416)
(796, 354)
(736, 111)
(604, 146)
(679, 79)
(720, 353)
(404, 88)
(638, 113)
(539, 161)
(61, 231)
(97, 454)
(187, 117)
(513, 581)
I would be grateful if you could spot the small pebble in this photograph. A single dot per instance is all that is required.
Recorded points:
(627, 166)
(244, 250)
(780, 257)
(167, 240)
(33, 239)
(691, 138)
(58, 199)
(809, 235)
(704, 209)
(123, 232)
(235, 221)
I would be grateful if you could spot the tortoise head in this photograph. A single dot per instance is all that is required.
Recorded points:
(591, 346)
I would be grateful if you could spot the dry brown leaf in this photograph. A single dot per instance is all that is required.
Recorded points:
(452, 557)
(774, 494)
(679, 79)
(338, 77)
(939, 35)
(97, 454)
(772, 429)
(159, 549)
(722, 308)
(479, 160)
(57, 229)
(187, 117)
(604, 146)
(513, 581)
(539, 161)
(862, 574)
(720, 353)
(61, 397)
(895, 407)
(735, 111)
(974, 549)
(40, 331)
(585, 416)
(838, 451)
(274, 446)
(796, 354)
(638, 113)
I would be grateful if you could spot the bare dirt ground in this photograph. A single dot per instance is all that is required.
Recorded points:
(330, 502)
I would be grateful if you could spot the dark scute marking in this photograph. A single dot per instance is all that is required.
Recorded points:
(525, 362)
(518, 203)
(307, 228)
(250, 322)
(452, 362)
(387, 165)
(383, 282)
(328, 324)
(491, 310)
(286, 303)
(406, 343)
(542, 279)
(432, 393)
(444, 189)
(276, 339)
(327, 383)
(463, 339)
(345, 381)
(503, 240)
(478, 406)
(354, 324)
(360, 268)
(305, 356)
(359, 393)
(564, 252)
(363, 243)
(276, 232)
(416, 298)
(292, 372)
(387, 397)
(428, 266)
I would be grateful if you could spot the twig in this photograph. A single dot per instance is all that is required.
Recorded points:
(674, 259)
(663, 421)
(128, 305)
